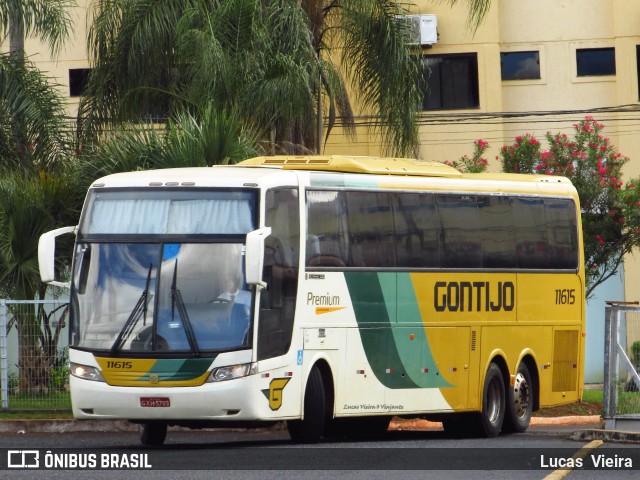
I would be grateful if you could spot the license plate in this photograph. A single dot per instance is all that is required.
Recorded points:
(154, 402)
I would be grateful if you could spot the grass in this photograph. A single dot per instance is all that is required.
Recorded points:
(54, 405)
(591, 404)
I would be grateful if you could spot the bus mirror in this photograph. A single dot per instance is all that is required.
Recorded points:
(47, 255)
(254, 257)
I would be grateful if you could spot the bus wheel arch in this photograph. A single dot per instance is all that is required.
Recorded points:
(318, 405)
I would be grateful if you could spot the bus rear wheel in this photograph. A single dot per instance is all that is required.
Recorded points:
(493, 403)
(520, 404)
(153, 433)
(311, 427)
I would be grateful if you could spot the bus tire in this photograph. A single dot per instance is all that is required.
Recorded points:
(153, 433)
(493, 403)
(519, 402)
(311, 427)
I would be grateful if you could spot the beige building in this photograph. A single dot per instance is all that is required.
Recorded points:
(532, 66)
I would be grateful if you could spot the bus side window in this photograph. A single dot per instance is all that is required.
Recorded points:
(327, 232)
(461, 247)
(417, 230)
(282, 251)
(531, 232)
(562, 229)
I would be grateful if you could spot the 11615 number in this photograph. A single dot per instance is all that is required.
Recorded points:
(565, 296)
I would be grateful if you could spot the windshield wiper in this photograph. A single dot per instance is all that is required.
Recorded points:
(176, 299)
(139, 310)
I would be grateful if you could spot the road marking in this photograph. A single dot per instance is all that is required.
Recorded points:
(582, 453)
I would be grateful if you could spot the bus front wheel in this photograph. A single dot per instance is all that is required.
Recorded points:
(311, 427)
(520, 403)
(493, 403)
(153, 433)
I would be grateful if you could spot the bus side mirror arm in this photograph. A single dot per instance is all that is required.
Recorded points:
(47, 255)
(254, 257)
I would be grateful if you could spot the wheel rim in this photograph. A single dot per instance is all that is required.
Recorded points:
(494, 401)
(521, 396)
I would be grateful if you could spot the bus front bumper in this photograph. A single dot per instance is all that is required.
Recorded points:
(231, 400)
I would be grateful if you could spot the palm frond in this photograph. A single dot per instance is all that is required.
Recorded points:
(32, 128)
(477, 11)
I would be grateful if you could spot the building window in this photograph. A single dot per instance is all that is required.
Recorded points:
(638, 68)
(520, 65)
(78, 78)
(596, 61)
(450, 81)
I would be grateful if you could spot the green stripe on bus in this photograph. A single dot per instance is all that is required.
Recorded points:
(397, 360)
(421, 367)
(170, 369)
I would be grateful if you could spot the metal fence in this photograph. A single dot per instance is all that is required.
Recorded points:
(622, 367)
(34, 364)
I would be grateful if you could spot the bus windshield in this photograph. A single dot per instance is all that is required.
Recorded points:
(165, 275)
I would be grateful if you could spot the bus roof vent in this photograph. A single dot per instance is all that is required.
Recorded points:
(354, 164)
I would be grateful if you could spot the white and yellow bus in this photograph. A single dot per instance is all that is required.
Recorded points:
(332, 293)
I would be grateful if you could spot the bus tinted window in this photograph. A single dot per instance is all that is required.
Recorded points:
(531, 232)
(371, 240)
(327, 233)
(439, 231)
(497, 234)
(460, 227)
(562, 227)
(417, 231)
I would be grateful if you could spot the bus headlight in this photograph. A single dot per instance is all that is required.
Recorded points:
(85, 372)
(230, 372)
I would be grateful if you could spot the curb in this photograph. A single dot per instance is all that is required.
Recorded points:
(69, 425)
(581, 420)
(614, 436)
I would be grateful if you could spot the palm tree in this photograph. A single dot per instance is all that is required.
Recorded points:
(32, 143)
(29, 206)
(271, 62)
(27, 102)
(48, 20)
(208, 138)
(32, 129)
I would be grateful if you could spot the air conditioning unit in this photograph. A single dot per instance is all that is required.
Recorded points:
(422, 29)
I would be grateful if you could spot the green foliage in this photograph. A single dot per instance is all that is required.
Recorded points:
(32, 129)
(59, 371)
(635, 353)
(474, 164)
(521, 156)
(274, 64)
(210, 138)
(48, 20)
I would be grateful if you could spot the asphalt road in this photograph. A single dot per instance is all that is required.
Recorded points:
(270, 454)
